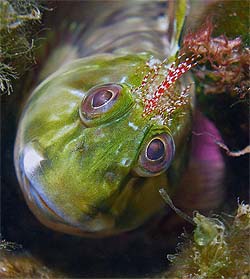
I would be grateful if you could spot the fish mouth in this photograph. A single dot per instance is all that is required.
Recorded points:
(98, 225)
(43, 206)
(30, 163)
(95, 224)
(40, 207)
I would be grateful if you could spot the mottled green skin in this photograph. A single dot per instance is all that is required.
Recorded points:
(86, 174)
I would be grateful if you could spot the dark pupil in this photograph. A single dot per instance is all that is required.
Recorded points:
(155, 149)
(101, 98)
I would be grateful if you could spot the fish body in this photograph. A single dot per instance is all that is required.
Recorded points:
(87, 160)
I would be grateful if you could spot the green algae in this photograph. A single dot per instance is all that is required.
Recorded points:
(219, 248)
(17, 41)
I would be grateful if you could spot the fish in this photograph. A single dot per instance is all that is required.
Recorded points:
(110, 123)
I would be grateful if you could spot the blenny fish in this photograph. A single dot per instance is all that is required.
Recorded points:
(110, 124)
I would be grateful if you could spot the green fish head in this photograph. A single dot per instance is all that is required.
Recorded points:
(87, 161)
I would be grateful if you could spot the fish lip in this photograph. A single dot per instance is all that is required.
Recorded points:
(51, 219)
(30, 185)
(42, 205)
(48, 216)
(44, 209)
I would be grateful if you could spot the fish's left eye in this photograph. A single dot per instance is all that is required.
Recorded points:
(99, 100)
(155, 157)
(102, 98)
(103, 103)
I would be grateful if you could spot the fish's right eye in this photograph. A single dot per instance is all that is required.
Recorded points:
(155, 156)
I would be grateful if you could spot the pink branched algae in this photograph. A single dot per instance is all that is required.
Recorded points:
(226, 61)
(223, 66)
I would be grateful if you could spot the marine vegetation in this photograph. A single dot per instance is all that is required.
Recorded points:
(219, 248)
(17, 40)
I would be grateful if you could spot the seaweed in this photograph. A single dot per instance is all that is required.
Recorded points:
(17, 39)
(225, 62)
(219, 248)
(15, 265)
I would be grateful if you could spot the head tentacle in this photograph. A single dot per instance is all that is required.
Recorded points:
(157, 90)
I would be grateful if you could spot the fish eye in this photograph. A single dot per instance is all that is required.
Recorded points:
(105, 103)
(155, 150)
(99, 100)
(156, 156)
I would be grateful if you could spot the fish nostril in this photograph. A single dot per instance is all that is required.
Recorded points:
(110, 177)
